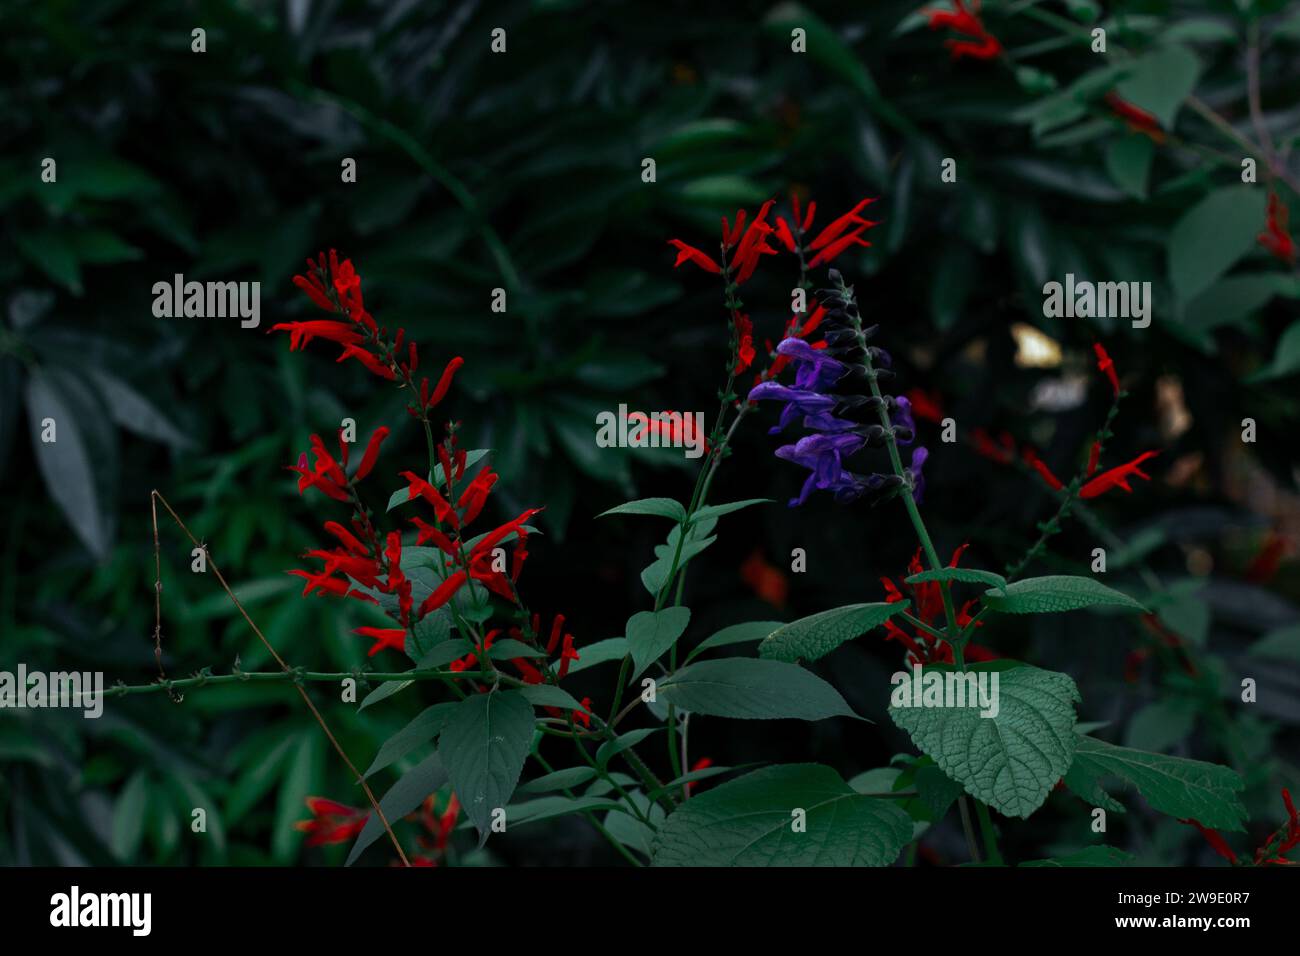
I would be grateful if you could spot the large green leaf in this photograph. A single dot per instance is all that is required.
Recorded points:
(1212, 236)
(1161, 80)
(422, 728)
(1057, 592)
(1011, 760)
(752, 821)
(1184, 789)
(403, 797)
(810, 638)
(746, 688)
(651, 633)
(663, 507)
(484, 745)
(735, 634)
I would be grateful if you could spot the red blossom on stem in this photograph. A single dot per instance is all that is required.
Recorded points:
(331, 822)
(977, 42)
(1138, 119)
(1277, 238)
(1106, 366)
(1117, 477)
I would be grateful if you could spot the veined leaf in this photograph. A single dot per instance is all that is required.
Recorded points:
(752, 689)
(810, 638)
(1184, 789)
(403, 797)
(1010, 760)
(1053, 593)
(713, 512)
(749, 822)
(964, 575)
(735, 634)
(422, 729)
(483, 745)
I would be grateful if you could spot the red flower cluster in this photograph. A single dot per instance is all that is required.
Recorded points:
(927, 601)
(842, 233)
(1277, 238)
(331, 822)
(977, 42)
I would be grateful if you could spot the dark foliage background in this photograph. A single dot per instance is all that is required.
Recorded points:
(522, 172)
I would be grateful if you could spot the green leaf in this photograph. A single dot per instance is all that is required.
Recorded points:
(546, 808)
(483, 745)
(422, 729)
(751, 821)
(129, 814)
(655, 575)
(750, 689)
(735, 634)
(602, 652)
(1286, 357)
(1054, 593)
(1128, 160)
(811, 638)
(1183, 789)
(1011, 760)
(651, 633)
(1212, 236)
(134, 412)
(548, 695)
(1100, 855)
(663, 507)
(964, 575)
(713, 512)
(611, 748)
(1161, 80)
(404, 796)
(1160, 725)
(559, 780)
(69, 464)
(1282, 644)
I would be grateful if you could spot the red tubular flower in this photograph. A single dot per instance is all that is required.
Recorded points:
(321, 581)
(567, 656)
(372, 453)
(1138, 119)
(927, 599)
(311, 284)
(784, 235)
(347, 537)
(428, 532)
(370, 361)
(1003, 451)
(702, 764)
(390, 637)
(301, 333)
(767, 581)
(926, 406)
(1264, 565)
(1093, 457)
(978, 43)
(1277, 238)
(744, 342)
(420, 488)
(444, 383)
(497, 535)
(687, 253)
(476, 494)
(1033, 461)
(331, 822)
(1213, 838)
(1117, 477)
(1107, 366)
(442, 594)
(583, 716)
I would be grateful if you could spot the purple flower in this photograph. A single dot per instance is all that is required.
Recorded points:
(823, 456)
(902, 418)
(919, 455)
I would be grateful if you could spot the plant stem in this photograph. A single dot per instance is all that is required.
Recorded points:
(990, 835)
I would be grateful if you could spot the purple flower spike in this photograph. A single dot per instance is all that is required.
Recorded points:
(919, 455)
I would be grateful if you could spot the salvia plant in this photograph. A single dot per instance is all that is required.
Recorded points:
(508, 744)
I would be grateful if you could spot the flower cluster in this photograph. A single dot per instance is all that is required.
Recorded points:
(835, 392)
(976, 41)
(927, 600)
(1272, 852)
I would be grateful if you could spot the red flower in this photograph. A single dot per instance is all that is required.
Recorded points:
(978, 43)
(1213, 838)
(419, 488)
(390, 637)
(927, 601)
(428, 401)
(765, 579)
(372, 453)
(475, 494)
(567, 656)
(301, 333)
(1033, 461)
(1117, 477)
(583, 716)
(926, 406)
(687, 253)
(744, 342)
(1003, 451)
(702, 764)
(752, 245)
(1138, 119)
(1107, 366)
(1093, 455)
(1277, 239)
(331, 822)
(442, 594)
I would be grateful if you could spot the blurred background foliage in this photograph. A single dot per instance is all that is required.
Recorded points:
(522, 171)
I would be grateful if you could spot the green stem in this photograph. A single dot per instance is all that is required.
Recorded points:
(990, 835)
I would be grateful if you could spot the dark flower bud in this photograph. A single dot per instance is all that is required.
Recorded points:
(838, 337)
(880, 357)
(883, 374)
(870, 331)
(903, 433)
(848, 353)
